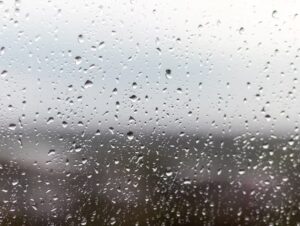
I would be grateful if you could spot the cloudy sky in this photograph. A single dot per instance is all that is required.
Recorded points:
(228, 66)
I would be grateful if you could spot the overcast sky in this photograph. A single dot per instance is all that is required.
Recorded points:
(230, 62)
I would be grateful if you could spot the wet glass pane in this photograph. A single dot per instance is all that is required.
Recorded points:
(149, 112)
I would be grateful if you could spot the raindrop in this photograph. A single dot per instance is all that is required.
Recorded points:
(83, 160)
(12, 126)
(88, 84)
(187, 181)
(266, 146)
(83, 221)
(101, 45)
(130, 135)
(241, 30)
(15, 182)
(242, 171)
(3, 73)
(285, 179)
(274, 13)
(113, 221)
(49, 120)
(134, 85)
(64, 124)
(268, 117)
(169, 172)
(78, 149)
(168, 73)
(80, 38)
(2, 50)
(78, 60)
(51, 152)
(133, 97)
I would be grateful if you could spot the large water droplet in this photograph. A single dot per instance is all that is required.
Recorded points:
(130, 135)
(51, 152)
(88, 84)
(78, 60)
(12, 126)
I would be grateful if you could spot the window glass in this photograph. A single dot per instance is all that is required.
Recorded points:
(149, 112)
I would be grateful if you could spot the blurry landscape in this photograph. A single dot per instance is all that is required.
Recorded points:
(95, 179)
(149, 112)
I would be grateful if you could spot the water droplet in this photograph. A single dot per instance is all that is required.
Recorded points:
(274, 13)
(169, 174)
(219, 172)
(187, 181)
(83, 221)
(134, 85)
(64, 124)
(4, 73)
(133, 97)
(88, 84)
(78, 149)
(50, 119)
(2, 50)
(101, 45)
(268, 117)
(241, 30)
(266, 146)
(130, 135)
(12, 126)
(242, 171)
(168, 73)
(80, 38)
(291, 142)
(51, 152)
(113, 221)
(78, 60)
